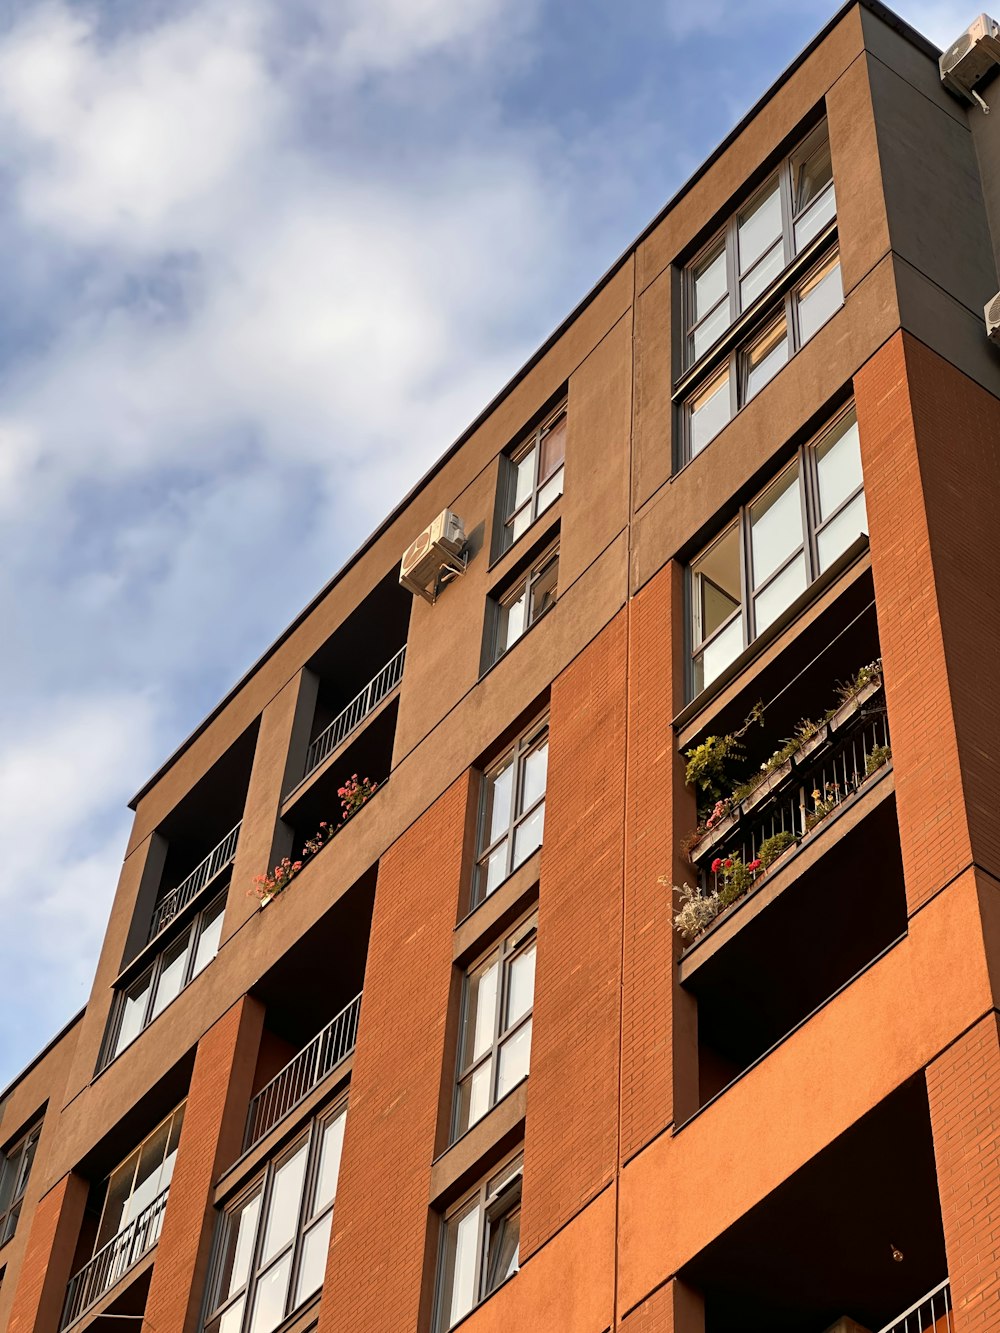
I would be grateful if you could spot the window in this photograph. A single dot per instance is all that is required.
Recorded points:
(174, 968)
(758, 243)
(495, 1037)
(784, 539)
(512, 810)
(801, 312)
(272, 1243)
(527, 601)
(15, 1167)
(531, 478)
(140, 1180)
(480, 1245)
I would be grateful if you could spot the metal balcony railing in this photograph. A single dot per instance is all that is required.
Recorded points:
(931, 1314)
(305, 1071)
(831, 766)
(203, 873)
(350, 718)
(113, 1260)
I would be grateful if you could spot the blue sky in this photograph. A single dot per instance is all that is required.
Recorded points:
(262, 260)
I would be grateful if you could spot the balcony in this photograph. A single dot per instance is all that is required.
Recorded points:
(350, 718)
(121, 1254)
(931, 1314)
(304, 1072)
(219, 858)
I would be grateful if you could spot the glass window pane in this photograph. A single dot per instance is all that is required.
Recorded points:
(515, 1057)
(837, 536)
(775, 525)
(762, 275)
(717, 656)
(474, 1096)
(270, 1295)
(510, 622)
(534, 769)
(524, 479)
(759, 227)
(330, 1153)
(551, 491)
(553, 446)
(709, 282)
(764, 358)
(171, 978)
(497, 791)
(503, 1245)
(716, 584)
(811, 175)
(458, 1286)
(283, 1208)
(312, 1268)
(230, 1322)
(520, 986)
(494, 871)
(819, 297)
(116, 1201)
(708, 411)
(528, 836)
(133, 1013)
(815, 218)
(240, 1233)
(780, 594)
(149, 1171)
(710, 330)
(521, 522)
(838, 465)
(480, 1013)
(544, 589)
(209, 935)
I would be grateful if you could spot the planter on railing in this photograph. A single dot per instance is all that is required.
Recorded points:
(305, 1071)
(931, 1314)
(177, 899)
(113, 1260)
(351, 717)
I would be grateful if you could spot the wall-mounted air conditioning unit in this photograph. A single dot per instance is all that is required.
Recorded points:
(435, 558)
(971, 58)
(991, 313)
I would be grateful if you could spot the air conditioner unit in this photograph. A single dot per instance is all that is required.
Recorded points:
(971, 58)
(435, 557)
(991, 312)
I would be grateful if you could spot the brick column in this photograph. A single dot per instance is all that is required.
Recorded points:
(277, 766)
(378, 1271)
(963, 1087)
(659, 1021)
(211, 1139)
(48, 1258)
(672, 1308)
(571, 1134)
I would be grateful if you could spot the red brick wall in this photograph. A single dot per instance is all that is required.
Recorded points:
(210, 1141)
(380, 1223)
(929, 792)
(659, 809)
(672, 1308)
(571, 1129)
(963, 1087)
(48, 1258)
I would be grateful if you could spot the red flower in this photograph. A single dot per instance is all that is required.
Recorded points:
(728, 863)
(716, 864)
(755, 864)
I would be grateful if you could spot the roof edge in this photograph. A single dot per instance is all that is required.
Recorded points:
(37, 1059)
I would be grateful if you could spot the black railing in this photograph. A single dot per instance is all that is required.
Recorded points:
(351, 717)
(931, 1314)
(831, 766)
(113, 1260)
(303, 1072)
(188, 889)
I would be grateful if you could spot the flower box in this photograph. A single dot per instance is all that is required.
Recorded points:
(769, 783)
(819, 737)
(852, 706)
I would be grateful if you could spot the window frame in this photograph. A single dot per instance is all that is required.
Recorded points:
(514, 944)
(507, 511)
(150, 978)
(726, 241)
(136, 1152)
(806, 460)
(525, 584)
(530, 740)
(734, 363)
(491, 1206)
(12, 1162)
(307, 1220)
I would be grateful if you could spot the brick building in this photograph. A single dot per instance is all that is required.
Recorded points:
(751, 480)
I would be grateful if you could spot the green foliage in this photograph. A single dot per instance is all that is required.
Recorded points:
(771, 848)
(866, 675)
(709, 765)
(877, 756)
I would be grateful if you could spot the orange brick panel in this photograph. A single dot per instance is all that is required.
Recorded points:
(929, 792)
(571, 1129)
(963, 1087)
(673, 1308)
(210, 1140)
(48, 1258)
(375, 1274)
